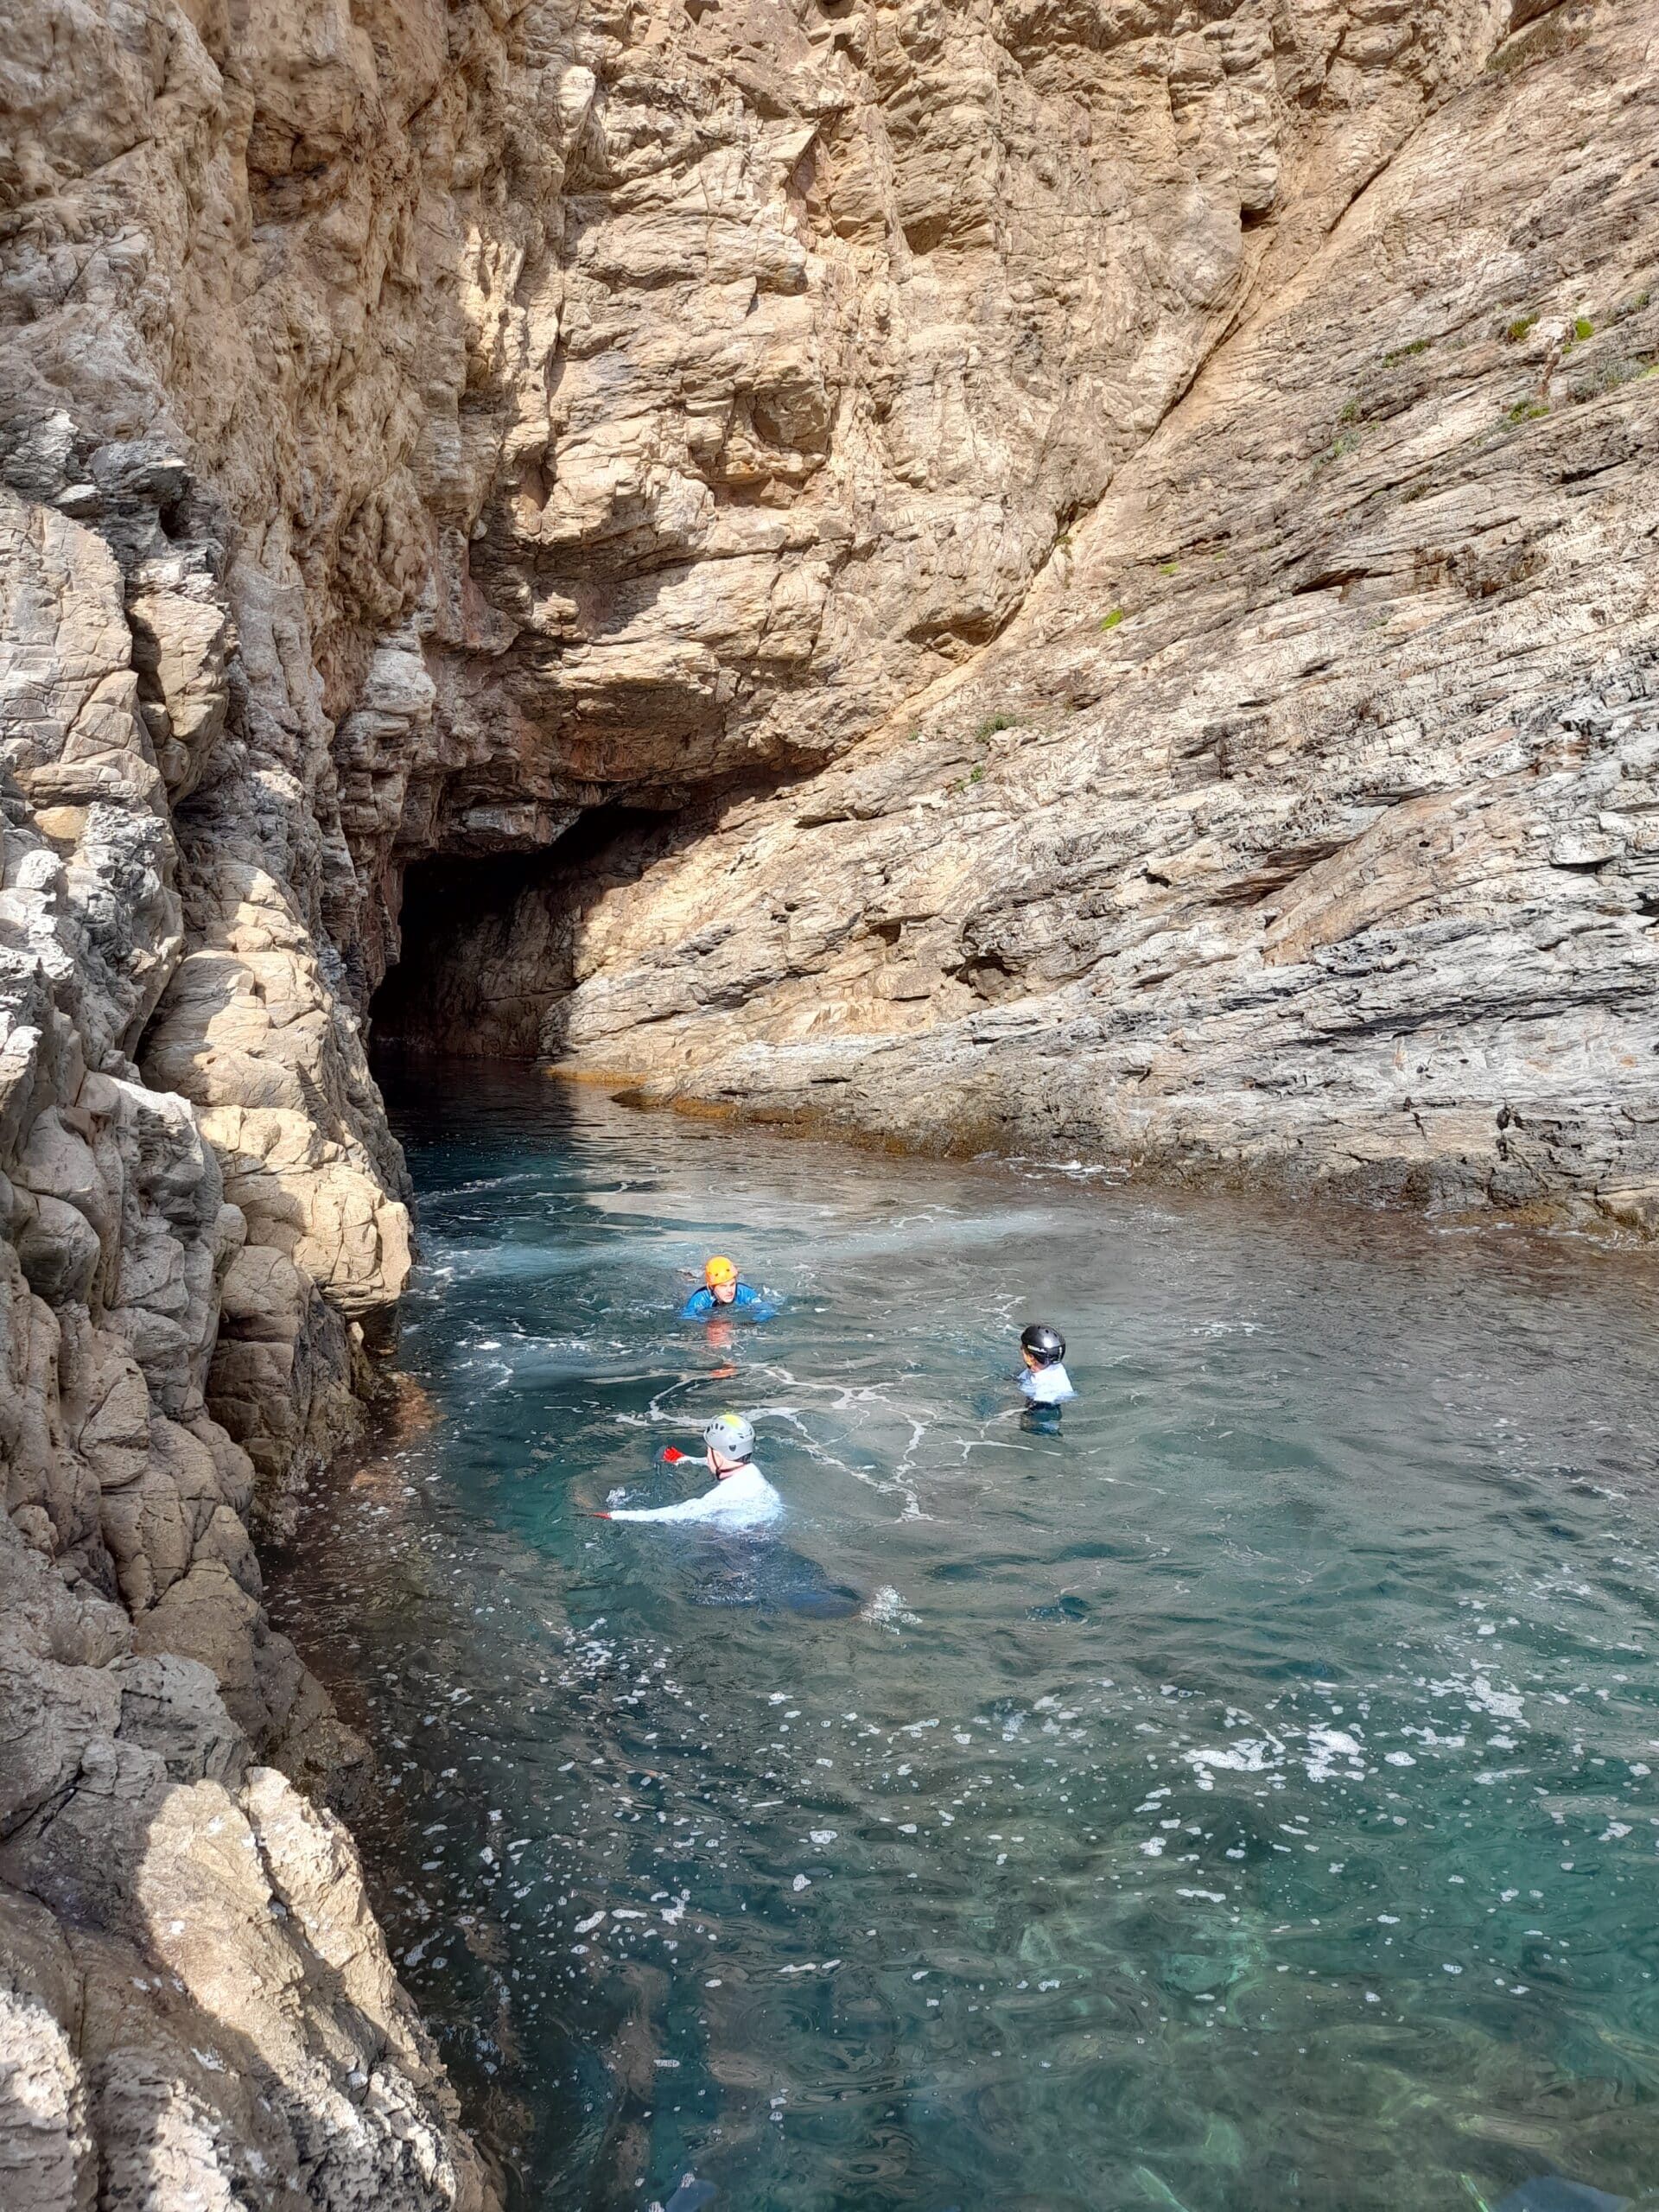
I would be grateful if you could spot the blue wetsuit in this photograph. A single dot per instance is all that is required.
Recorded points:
(704, 1306)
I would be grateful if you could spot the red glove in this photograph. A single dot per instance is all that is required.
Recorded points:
(669, 1457)
(589, 1515)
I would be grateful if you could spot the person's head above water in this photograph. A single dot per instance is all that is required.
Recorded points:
(730, 1439)
(721, 1276)
(1042, 1346)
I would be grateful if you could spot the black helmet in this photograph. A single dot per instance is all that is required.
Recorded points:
(1045, 1345)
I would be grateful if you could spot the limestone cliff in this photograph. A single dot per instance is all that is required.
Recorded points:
(1111, 538)
(1299, 825)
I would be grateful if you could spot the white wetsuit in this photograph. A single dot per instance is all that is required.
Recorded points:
(1047, 1386)
(743, 1499)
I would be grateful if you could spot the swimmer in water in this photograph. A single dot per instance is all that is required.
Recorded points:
(741, 1497)
(1045, 1381)
(724, 1292)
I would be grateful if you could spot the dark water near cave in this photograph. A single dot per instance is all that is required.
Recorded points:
(1243, 1798)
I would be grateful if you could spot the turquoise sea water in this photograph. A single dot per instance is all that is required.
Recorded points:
(1243, 1798)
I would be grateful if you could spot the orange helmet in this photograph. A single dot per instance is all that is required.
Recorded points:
(719, 1270)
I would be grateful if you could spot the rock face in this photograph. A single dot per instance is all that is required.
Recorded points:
(196, 2007)
(1301, 823)
(1112, 549)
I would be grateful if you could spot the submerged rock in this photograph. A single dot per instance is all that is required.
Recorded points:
(1549, 2193)
(691, 2196)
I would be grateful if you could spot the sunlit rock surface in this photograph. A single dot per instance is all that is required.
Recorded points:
(196, 2006)
(420, 427)
(1301, 823)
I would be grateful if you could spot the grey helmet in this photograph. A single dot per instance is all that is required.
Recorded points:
(731, 1435)
(1045, 1345)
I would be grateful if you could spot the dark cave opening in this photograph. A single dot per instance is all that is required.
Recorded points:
(486, 939)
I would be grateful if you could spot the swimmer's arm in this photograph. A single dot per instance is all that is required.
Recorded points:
(690, 1509)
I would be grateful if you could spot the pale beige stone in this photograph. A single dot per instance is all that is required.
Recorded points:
(419, 433)
(1296, 827)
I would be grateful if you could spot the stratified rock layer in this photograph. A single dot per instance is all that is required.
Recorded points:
(422, 426)
(195, 2005)
(1302, 823)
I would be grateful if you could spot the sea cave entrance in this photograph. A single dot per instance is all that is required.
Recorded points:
(487, 941)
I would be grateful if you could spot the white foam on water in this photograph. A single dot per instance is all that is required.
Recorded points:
(1331, 1751)
(1250, 1755)
(823, 1457)
(1481, 1696)
(887, 1610)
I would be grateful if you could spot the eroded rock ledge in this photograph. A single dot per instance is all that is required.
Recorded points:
(424, 429)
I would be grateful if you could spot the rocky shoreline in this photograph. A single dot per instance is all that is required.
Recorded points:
(426, 432)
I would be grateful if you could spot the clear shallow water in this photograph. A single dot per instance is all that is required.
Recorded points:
(1245, 1798)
